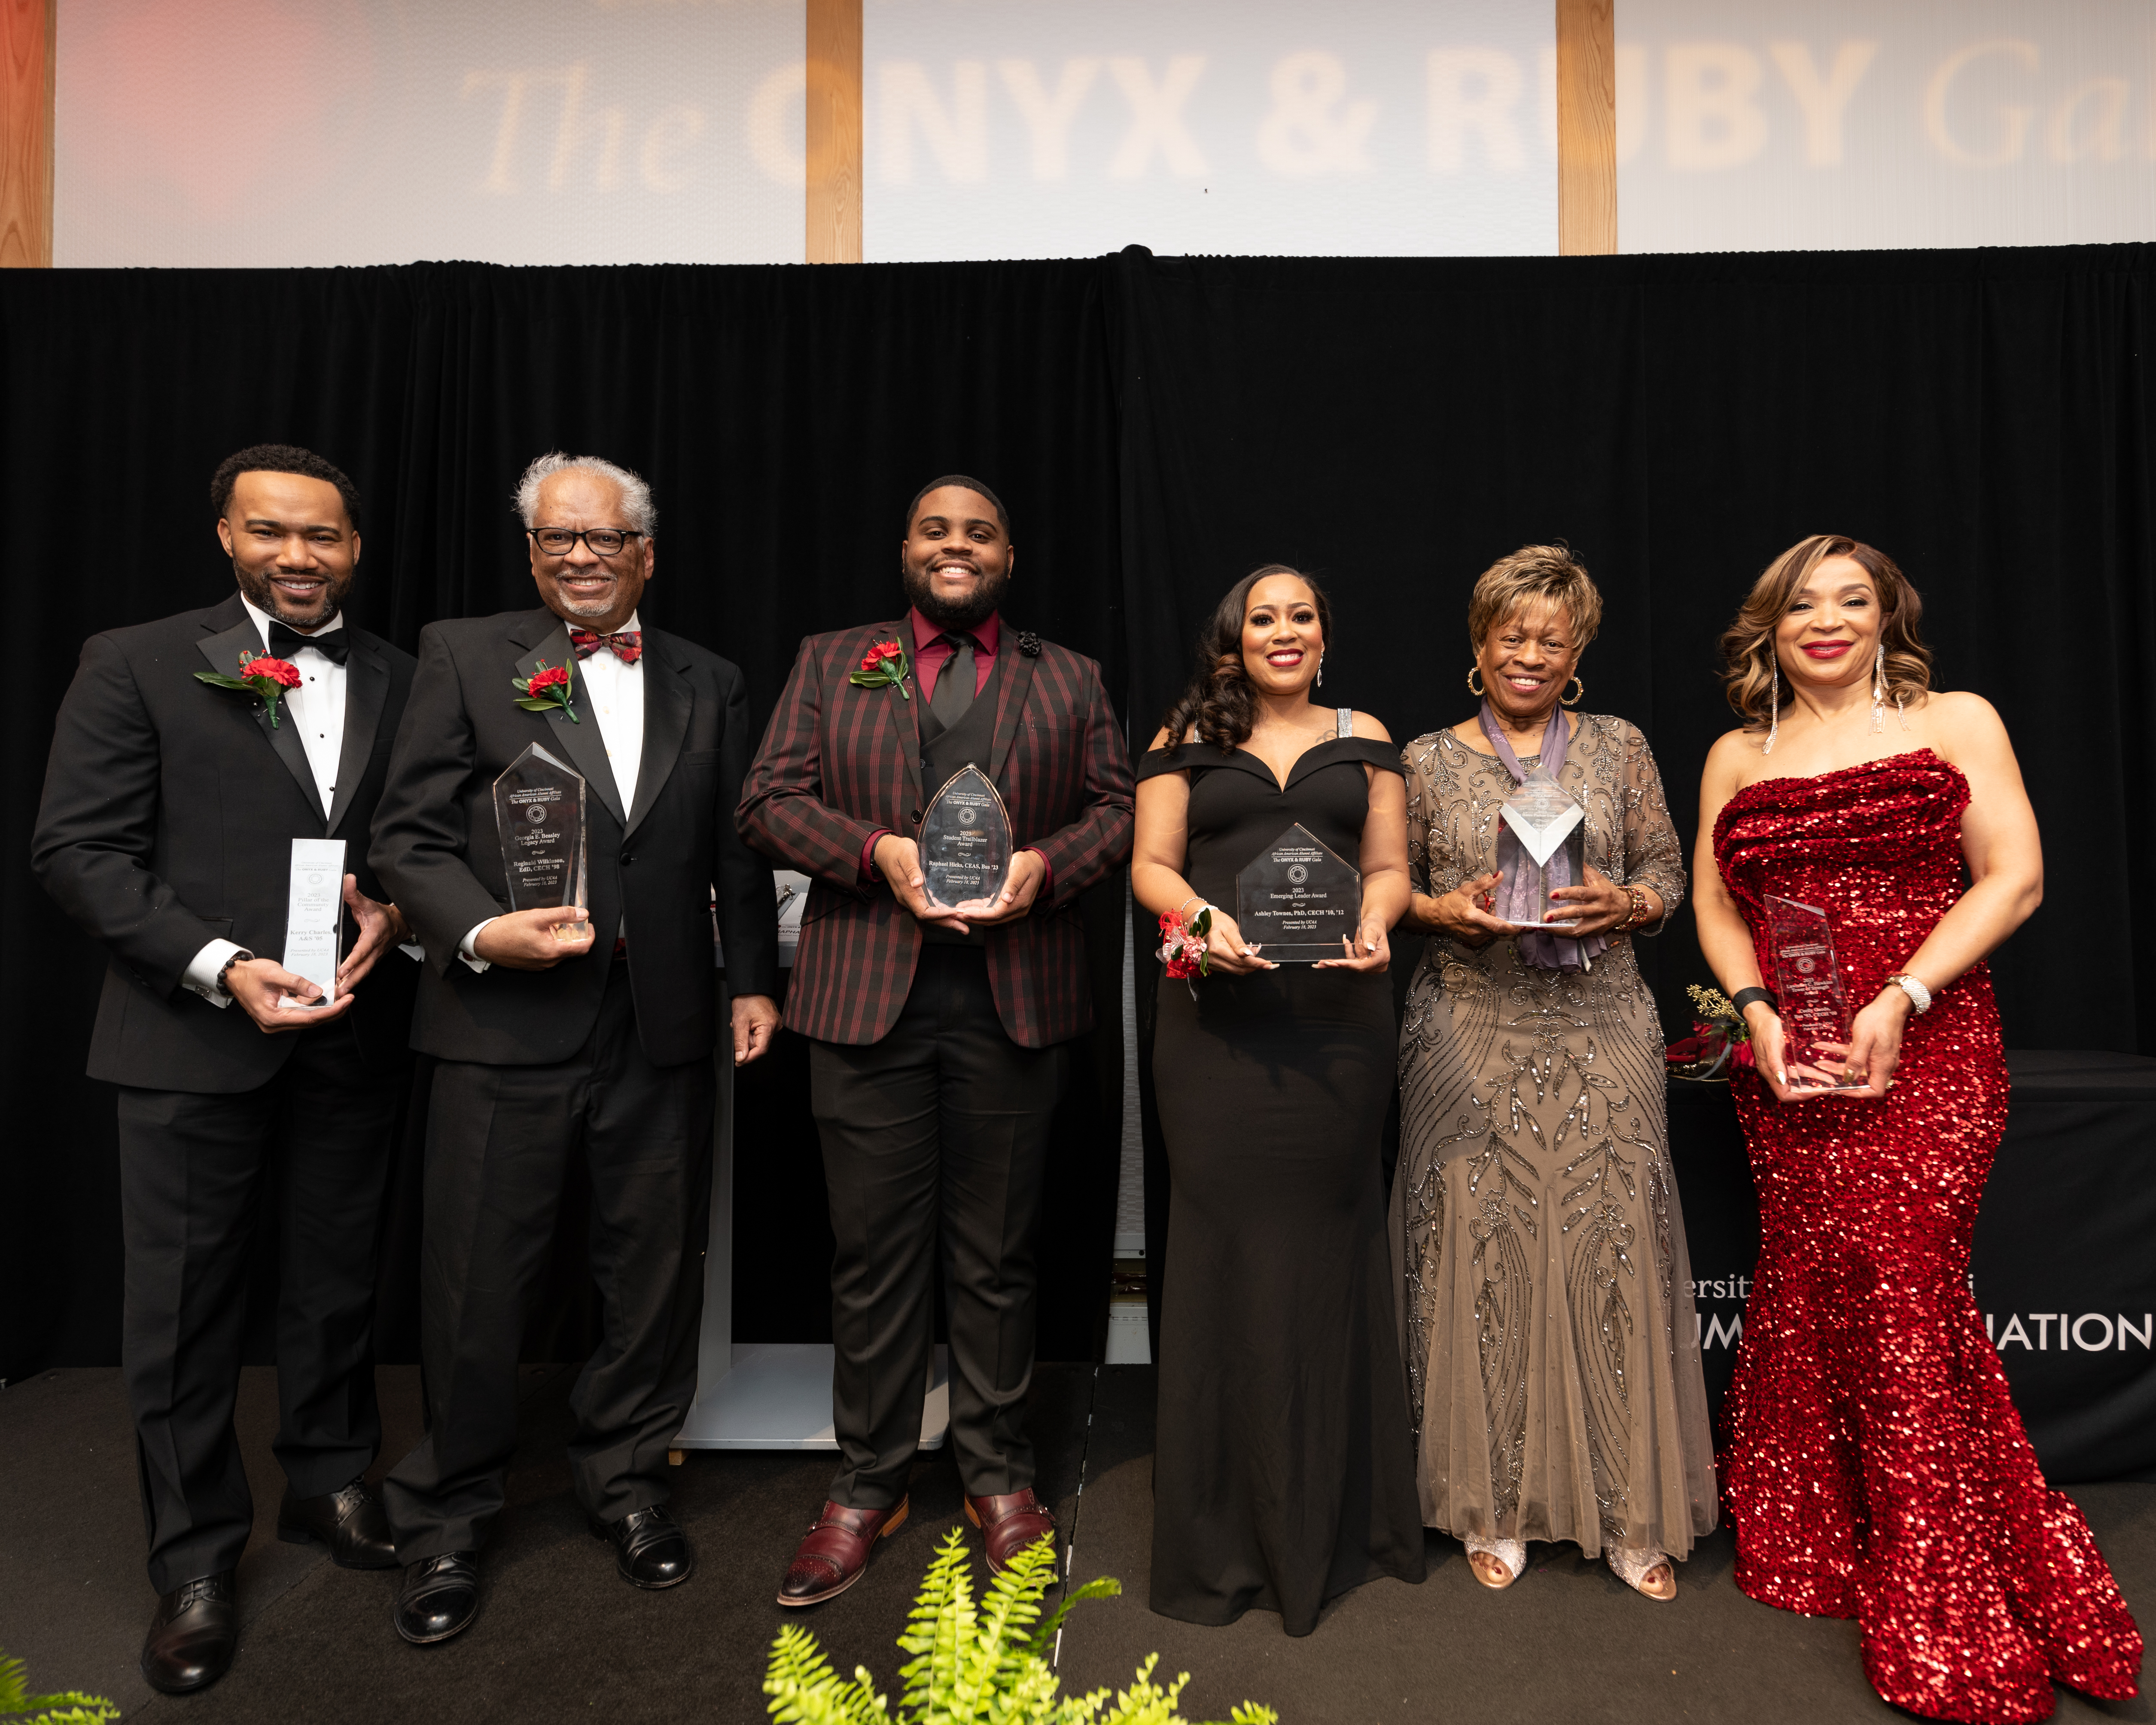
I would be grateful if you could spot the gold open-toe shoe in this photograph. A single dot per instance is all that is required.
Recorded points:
(1497, 1563)
(1645, 1571)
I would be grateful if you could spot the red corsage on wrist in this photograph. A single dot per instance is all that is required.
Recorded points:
(547, 689)
(1720, 1040)
(260, 675)
(883, 666)
(1182, 947)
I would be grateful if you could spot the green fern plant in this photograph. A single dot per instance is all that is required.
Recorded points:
(984, 1666)
(16, 1702)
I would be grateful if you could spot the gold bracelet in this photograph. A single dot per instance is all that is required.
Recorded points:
(1638, 913)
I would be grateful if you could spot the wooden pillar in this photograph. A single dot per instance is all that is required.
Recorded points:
(26, 134)
(834, 130)
(1586, 126)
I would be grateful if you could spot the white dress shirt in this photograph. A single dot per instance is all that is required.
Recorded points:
(612, 693)
(317, 708)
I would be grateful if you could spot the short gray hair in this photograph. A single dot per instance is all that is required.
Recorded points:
(635, 494)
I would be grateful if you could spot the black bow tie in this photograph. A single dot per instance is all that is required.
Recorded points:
(283, 642)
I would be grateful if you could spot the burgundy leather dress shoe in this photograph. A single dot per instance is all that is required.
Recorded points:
(1012, 1522)
(193, 1636)
(836, 1551)
(649, 1548)
(350, 1522)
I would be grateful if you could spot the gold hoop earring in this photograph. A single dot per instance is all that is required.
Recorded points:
(1578, 698)
(1473, 687)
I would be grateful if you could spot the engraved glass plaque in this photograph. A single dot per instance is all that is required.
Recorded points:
(1296, 899)
(1808, 988)
(539, 808)
(965, 839)
(1541, 845)
(314, 917)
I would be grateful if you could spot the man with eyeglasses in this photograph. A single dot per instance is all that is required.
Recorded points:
(598, 1047)
(175, 791)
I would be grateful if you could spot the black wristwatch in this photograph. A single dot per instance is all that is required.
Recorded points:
(1744, 997)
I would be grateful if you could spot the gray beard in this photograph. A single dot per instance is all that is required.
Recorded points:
(944, 614)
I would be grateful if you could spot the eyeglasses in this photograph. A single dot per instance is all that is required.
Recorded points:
(600, 541)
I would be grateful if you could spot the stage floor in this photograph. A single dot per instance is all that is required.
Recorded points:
(559, 1637)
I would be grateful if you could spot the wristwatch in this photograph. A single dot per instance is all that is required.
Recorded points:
(240, 955)
(1920, 996)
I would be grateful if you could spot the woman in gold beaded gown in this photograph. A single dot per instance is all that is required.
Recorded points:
(1546, 1311)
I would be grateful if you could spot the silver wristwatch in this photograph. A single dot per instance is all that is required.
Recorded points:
(1920, 996)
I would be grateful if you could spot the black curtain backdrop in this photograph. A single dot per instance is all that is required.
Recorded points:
(1158, 426)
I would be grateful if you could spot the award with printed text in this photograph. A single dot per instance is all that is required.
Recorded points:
(1541, 845)
(314, 917)
(539, 807)
(1807, 986)
(1296, 899)
(965, 839)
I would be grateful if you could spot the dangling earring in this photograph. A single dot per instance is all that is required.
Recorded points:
(1474, 687)
(1879, 688)
(1320, 670)
(1774, 722)
(1578, 698)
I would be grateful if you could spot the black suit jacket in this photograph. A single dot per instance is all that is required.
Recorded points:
(168, 814)
(435, 840)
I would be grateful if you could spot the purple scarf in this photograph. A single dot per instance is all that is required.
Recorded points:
(1539, 948)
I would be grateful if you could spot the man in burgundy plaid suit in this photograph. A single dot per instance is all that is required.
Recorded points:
(941, 1040)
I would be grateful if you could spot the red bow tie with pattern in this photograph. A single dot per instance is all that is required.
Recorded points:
(628, 646)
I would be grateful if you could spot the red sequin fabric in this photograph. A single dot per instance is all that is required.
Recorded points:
(1875, 1468)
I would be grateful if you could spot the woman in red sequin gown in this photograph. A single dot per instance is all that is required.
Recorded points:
(1874, 1466)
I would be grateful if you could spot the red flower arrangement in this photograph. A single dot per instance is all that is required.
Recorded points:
(260, 675)
(548, 689)
(883, 666)
(1182, 948)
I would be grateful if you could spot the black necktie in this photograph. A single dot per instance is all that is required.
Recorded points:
(284, 642)
(954, 682)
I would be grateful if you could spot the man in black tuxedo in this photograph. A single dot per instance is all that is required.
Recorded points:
(599, 1046)
(170, 807)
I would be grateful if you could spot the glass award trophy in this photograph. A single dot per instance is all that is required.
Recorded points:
(314, 917)
(1809, 989)
(539, 809)
(1296, 899)
(965, 840)
(1541, 823)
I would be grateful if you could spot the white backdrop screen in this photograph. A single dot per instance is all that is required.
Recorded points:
(275, 133)
(1782, 124)
(1039, 128)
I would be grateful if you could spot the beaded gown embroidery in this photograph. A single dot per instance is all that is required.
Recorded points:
(1546, 1302)
(1875, 1466)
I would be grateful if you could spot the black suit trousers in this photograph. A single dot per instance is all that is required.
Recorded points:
(499, 1141)
(935, 1145)
(192, 1172)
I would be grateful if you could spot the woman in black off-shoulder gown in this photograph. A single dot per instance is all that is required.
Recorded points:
(1283, 1474)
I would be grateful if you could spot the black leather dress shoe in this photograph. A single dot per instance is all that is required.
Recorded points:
(649, 1548)
(350, 1522)
(439, 1598)
(193, 1636)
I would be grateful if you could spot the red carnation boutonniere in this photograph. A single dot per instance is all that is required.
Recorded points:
(547, 689)
(883, 666)
(260, 674)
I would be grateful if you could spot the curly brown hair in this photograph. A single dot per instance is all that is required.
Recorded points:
(1747, 645)
(1219, 706)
